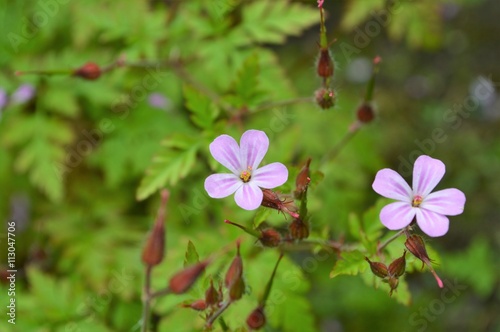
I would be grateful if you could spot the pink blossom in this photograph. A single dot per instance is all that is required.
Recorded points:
(320, 3)
(246, 178)
(430, 209)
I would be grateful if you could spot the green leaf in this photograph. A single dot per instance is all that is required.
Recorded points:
(246, 86)
(168, 167)
(191, 256)
(203, 110)
(260, 216)
(351, 263)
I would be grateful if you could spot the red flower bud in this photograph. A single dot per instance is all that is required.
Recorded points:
(89, 71)
(235, 270)
(182, 281)
(302, 181)
(325, 98)
(273, 200)
(257, 318)
(270, 238)
(325, 66)
(237, 289)
(365, 113)
(393, 283)
(212, 297)
(198, 305)
(378, 269)
(416, 245)
(298, 229)
(154, 249)
(397, 268)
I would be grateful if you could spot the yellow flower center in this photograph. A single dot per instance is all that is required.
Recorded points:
(245, 176)
(417, 200)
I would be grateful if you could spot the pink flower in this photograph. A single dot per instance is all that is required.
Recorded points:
(246, 178)
(320, 3)
(430, 209)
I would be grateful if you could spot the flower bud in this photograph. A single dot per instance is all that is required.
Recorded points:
(397, 268)
(393, 283)
(325, 98)
(154, 249)
(237, 289)
(257, 319)
(365, 113)
(89, 71)
(182, 281)
(325, 66)
(235, 270)
(302, 181)
(272, 200)
(416, 245)
(212, 297)
(270, 238)
(198, 305)
(378, 269)
(298, 229)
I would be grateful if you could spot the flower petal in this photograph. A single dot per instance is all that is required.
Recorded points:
(397, 215)
(270, 176)
(449, 202)
(225, 150)
(390, 184)
(427, 172)
(253, 148)
(431, 223)
(248, 196)
(222, 185)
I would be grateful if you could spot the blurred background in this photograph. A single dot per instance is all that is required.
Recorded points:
(77, 141)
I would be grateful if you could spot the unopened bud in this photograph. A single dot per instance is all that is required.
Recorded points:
(89, 71)
(378, 269)
(257, 318)
(270, 238)
(154, 249)
(397, 268)
(416, 245)
(298, 229)
(302, 181)
(212, 297)
(325, 66)
(325, 98)
(365, 113)
(273, 200)
(182, 281)
(198, 305)
(235, 270)
(237, 289)
(393, 283)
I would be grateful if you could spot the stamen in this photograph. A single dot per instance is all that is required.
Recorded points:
(417, 200)
(245, 176)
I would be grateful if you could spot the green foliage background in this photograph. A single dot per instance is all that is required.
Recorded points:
(82, 217)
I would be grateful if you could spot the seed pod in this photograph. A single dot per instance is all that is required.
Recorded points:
(237, 289)
(198, 305)
(235, 270)
(378, 269)
(325, 98)
(212, 297)
(325, 66)
(154, 249)
(302, 181)
(397, 268)
(365, 113)
(89, 71)
(298, 229)
(270, 238)
(273, 200)
(416, 245)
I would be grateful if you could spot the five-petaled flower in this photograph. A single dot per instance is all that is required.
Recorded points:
(430, 209)
(245, 179)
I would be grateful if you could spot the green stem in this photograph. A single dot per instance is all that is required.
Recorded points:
(219, 312)
(335, 151)
(147, 299)
(389, 240)
(283, 103)
(270, 282)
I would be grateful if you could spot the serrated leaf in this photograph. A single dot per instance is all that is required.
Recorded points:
(351, 263)
(191, 257)
(203, 110)
(167, 168)
(354, 226)
(246, 86)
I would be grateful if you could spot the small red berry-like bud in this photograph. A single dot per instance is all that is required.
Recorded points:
(273, 200)
(298, 229)
(270, 238)
(182, 281)
(325, 66)
(378, 269)
(198, 305)
(325, 98)
(154, 249)
(397, 268)
(212, 297)
(365, 113)
(302, 181)
(257, 318)
(235, 270)
(89, 71)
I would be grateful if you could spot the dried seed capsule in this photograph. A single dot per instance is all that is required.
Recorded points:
(89, 71)
(182, 281)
